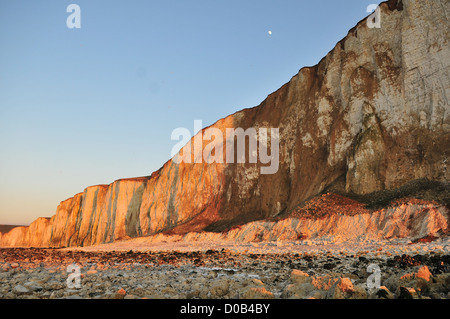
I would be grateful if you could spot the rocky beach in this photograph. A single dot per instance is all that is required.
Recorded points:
(292, 270)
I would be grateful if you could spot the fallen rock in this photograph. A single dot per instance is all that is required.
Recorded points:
(220, 288)
(33, 286)
(257, 293)
(325, 282)
(300, 277)
(384, 293)
(5, 267)
(407, 293)
(424, 273)
(342, 289)
(54, 285)
(301, 291)
(120, 294)
(346, 285)
(21, 290)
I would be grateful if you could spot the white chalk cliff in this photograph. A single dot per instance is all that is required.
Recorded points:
(373, 114)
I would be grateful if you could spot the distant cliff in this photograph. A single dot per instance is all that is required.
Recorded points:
(373, 114)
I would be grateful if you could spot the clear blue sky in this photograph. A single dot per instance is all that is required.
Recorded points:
(80, 107)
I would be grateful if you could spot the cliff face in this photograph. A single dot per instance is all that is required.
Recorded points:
(374, 112)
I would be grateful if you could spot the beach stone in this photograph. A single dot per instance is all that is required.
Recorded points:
(220, 288)
(33, 286)
(384, 293)
(342, 289)
(345, 285)
(54, 285)
(299, 291)
(257, 293)
(424, 273)
(326, 281)
(5, 267)
(300, 277)
(407, 293)
(21, 290)
(120, 294)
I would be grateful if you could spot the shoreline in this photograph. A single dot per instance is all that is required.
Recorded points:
(321, 246)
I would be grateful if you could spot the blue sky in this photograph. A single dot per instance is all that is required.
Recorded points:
(81, 107)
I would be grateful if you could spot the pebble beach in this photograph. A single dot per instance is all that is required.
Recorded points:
(391, 269)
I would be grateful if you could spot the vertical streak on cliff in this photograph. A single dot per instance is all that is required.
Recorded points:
(172, 210)
(87, 238)
(108, 213)
(132, 222)
(114, 211)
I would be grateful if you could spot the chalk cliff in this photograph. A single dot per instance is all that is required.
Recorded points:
(370, 116)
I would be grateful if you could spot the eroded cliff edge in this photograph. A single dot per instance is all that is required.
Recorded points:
(372, 115)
